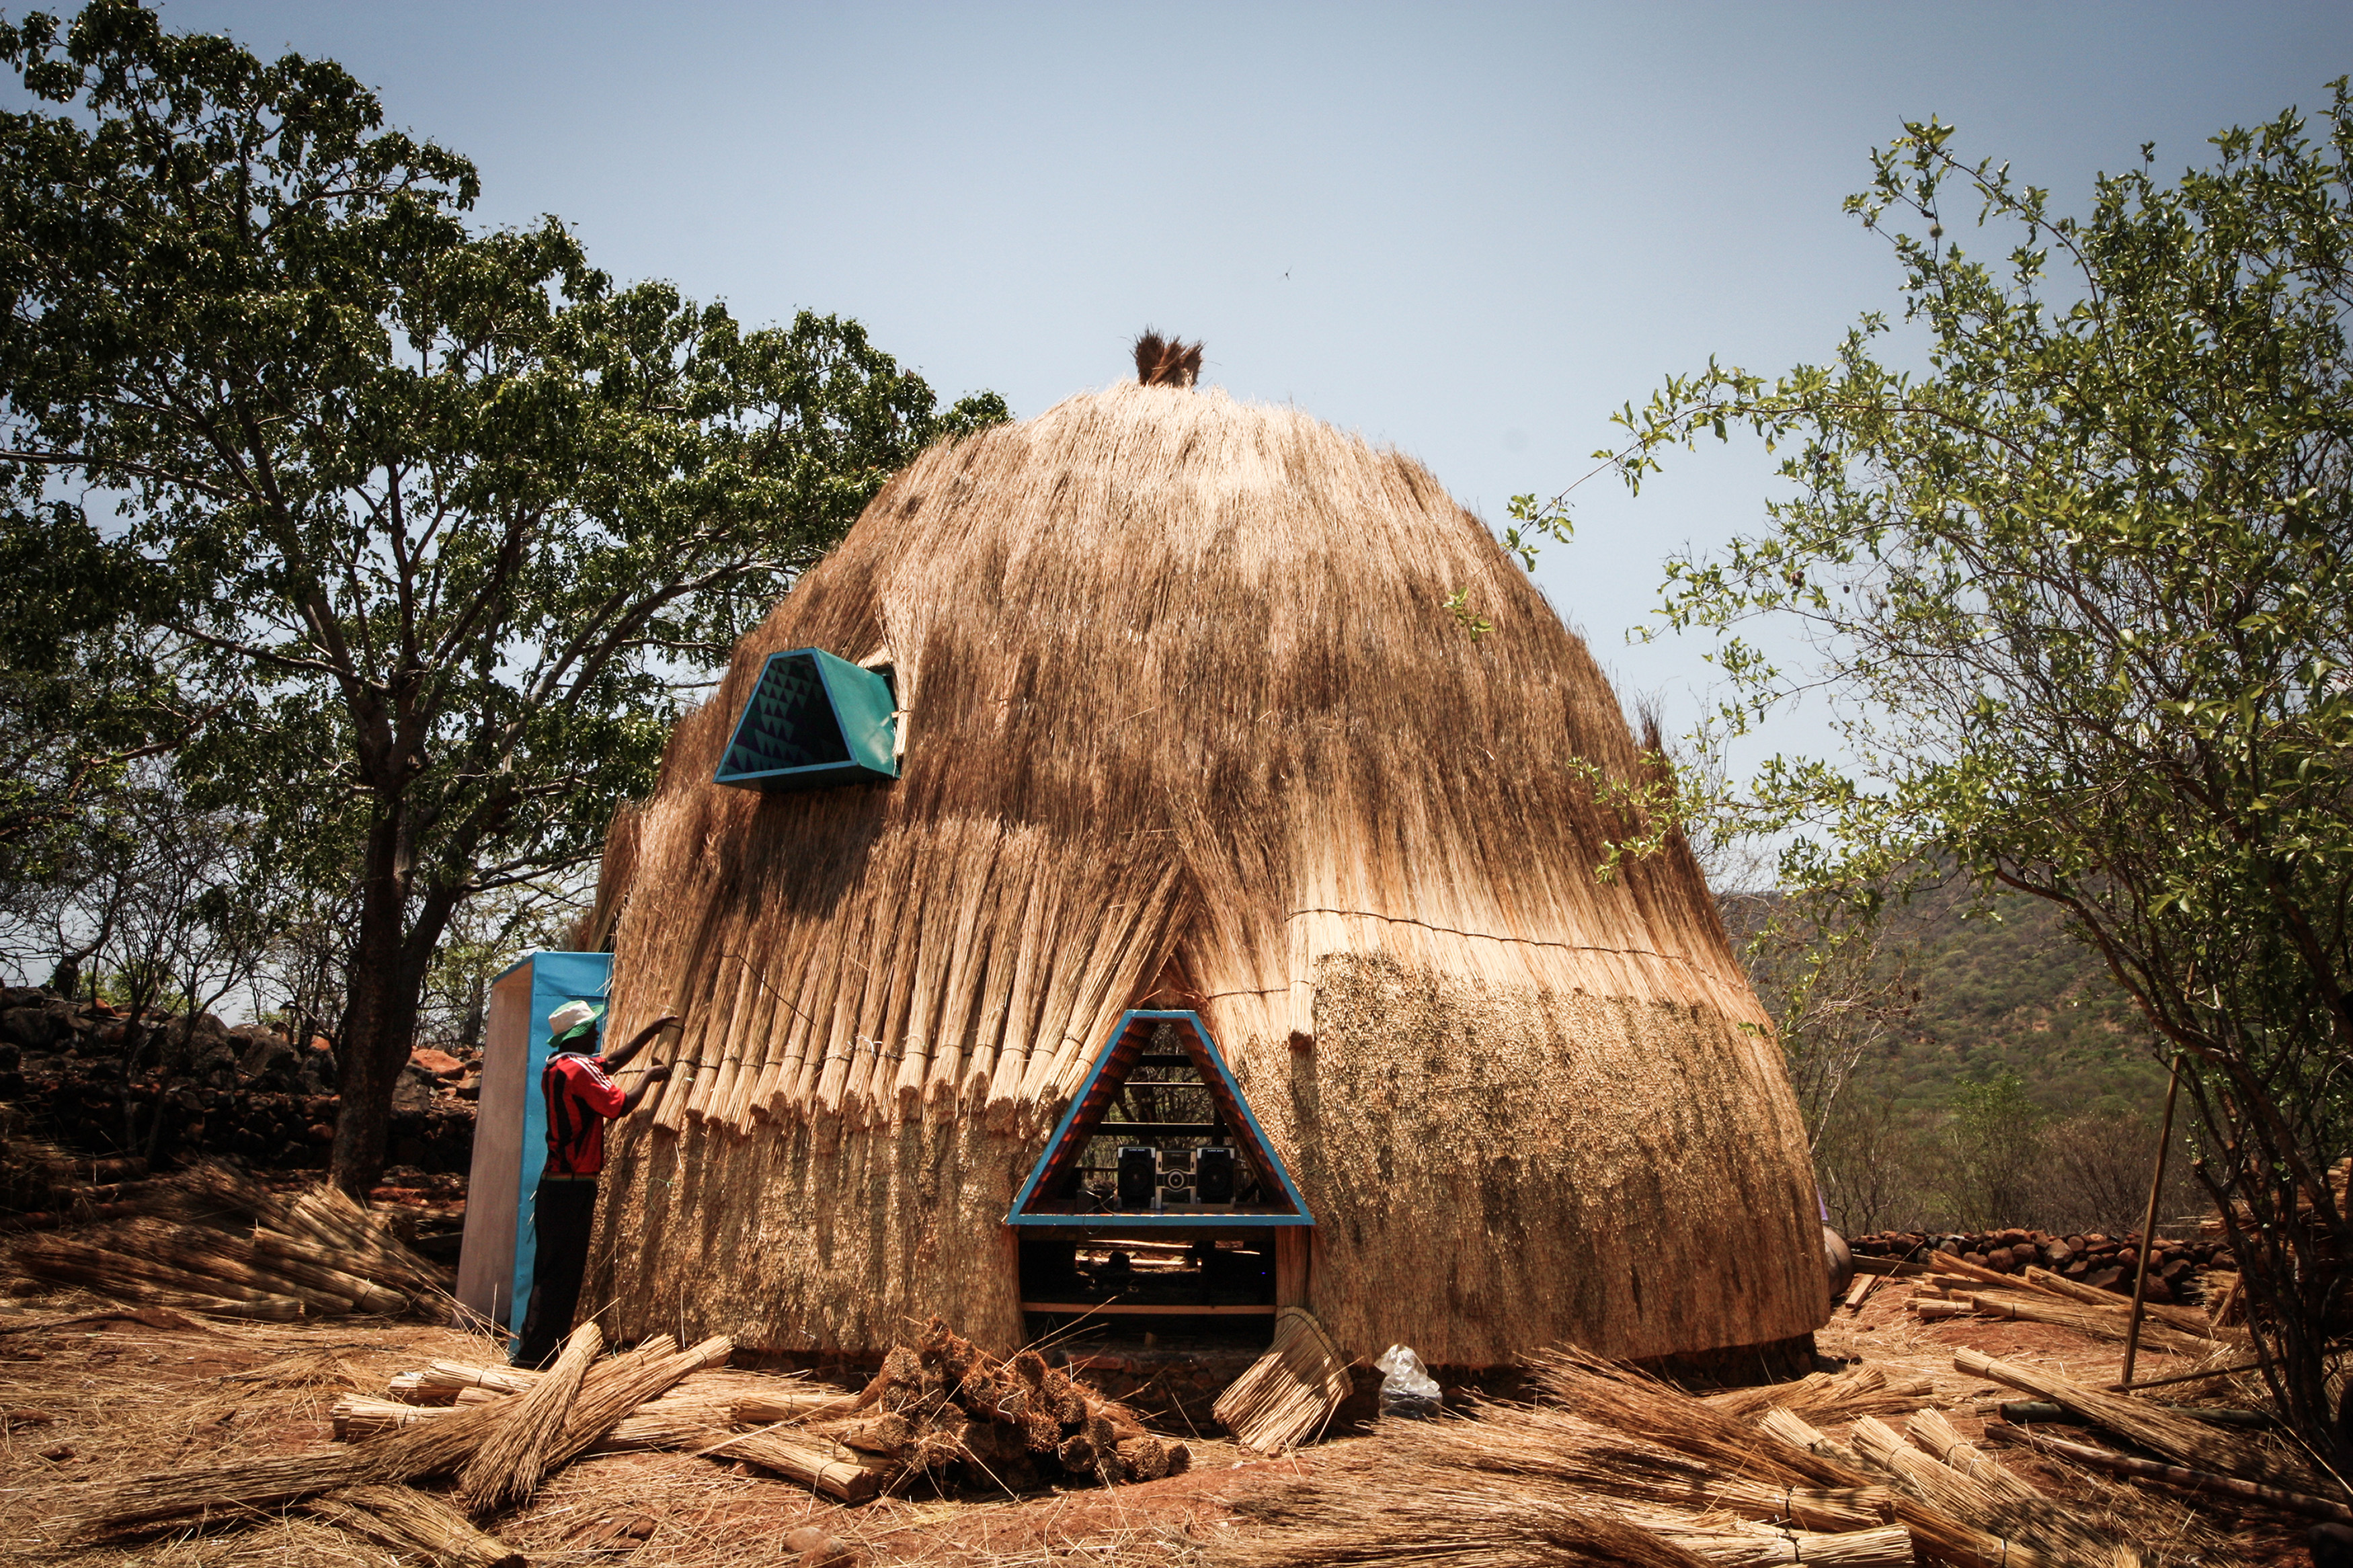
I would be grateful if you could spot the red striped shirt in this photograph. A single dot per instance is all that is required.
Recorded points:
(580, 1096)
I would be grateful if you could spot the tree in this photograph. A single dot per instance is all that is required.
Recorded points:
(2082, 588)
(1995, 1152)
(86, 691)
(1839, 983)
(448, 515)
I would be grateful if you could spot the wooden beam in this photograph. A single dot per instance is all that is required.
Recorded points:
(1294, 1252)
(1132, 1309)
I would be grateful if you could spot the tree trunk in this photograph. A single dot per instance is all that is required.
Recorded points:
(379, 1007)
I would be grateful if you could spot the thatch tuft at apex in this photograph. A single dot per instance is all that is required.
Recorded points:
(1182, 728)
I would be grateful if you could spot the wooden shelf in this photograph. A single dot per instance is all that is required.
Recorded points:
(1145, 1310)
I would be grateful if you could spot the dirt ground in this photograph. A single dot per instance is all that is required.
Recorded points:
(94, 1402)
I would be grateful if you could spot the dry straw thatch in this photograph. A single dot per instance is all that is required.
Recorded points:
(1185, 718)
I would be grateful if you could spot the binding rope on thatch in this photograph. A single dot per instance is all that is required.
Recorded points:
(1185, 716)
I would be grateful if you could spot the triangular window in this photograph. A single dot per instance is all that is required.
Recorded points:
(1158, 1136)
(813, 721)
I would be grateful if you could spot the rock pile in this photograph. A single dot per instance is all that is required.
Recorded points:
(2178, 1269)
(171, 1090)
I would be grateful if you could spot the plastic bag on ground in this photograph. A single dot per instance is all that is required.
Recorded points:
(1407, 1387)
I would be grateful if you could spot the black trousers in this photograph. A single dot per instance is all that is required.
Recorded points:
(562, 1213)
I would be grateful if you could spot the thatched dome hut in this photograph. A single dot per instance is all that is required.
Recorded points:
(1185, 722)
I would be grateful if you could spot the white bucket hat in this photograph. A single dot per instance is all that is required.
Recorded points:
(568, 1017)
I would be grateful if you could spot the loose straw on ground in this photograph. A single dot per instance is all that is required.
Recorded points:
(411, 1523)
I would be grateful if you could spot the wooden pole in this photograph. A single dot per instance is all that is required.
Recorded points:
(2149, 1224)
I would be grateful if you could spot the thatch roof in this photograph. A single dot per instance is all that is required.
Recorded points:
(1186, 715)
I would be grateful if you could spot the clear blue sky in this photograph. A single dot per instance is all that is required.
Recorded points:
(1467, 231)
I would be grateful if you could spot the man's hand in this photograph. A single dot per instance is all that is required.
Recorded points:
(640, 1040)
(651, 1077)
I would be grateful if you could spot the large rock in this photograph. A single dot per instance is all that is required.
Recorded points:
(185, 1042)
(41, 1027)
(269, 1064)
(414, 1090)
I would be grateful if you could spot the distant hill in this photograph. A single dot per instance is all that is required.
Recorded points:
(2014, 990)
(2007, 989)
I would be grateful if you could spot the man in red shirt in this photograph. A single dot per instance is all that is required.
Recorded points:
(581, 1098)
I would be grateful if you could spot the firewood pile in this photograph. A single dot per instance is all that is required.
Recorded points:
(1950, 1287)
(212, 1240)
(2178, 1269)
(1606, 1466)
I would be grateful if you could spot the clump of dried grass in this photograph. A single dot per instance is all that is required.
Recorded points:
(413, 1523)
(1566, 1457)
(1626, 1400)
(1288, 1391)
(212, 1240)
(1822, 1396)
(1364, 1519)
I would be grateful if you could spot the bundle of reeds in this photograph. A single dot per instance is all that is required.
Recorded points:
(194, 1495)
(2178, 1438)
(212, 1240)
(2192, 1321)
(623, 1384)
(667, 1423)
(1631, 1402)
(841, 1472)
(127, 1276)
(507, 1468)
(439, 1382)
(2099, 1322)
(1288, 1391)
(1569, 1459)
(354, 1417)
(1349, 1518)
(1827, 1396)
(759, 1409)
(1742, 1545)
(1940, 1536)
(410, 1523)
(1981, 1495)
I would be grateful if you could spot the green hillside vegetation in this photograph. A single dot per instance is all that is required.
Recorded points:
(1998, 1075)
(2008, 990)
